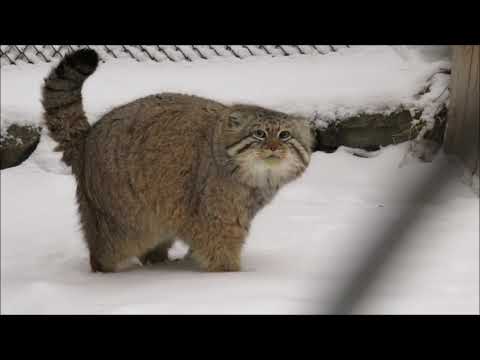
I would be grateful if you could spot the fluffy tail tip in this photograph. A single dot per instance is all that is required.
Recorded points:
(84, 60)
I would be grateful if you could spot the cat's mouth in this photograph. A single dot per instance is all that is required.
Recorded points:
(272, 159)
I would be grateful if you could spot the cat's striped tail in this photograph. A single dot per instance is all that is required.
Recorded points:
(62, 102)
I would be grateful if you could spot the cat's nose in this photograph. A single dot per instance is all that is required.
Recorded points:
(273, 146)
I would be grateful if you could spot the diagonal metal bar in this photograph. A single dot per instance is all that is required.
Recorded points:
(388, 244)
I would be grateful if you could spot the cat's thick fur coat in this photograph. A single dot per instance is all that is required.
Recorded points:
(170, 166)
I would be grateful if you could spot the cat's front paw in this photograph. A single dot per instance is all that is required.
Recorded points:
(226, 266)
(216, 264)
(218, 258)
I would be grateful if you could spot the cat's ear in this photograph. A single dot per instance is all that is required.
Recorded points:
(235, 120)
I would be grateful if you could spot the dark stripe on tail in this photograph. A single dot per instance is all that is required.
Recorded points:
(63, 105)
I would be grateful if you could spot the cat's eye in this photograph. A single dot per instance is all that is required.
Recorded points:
(284, 135)
(259, 134)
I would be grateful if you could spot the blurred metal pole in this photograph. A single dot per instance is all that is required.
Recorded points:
(388, 244)
(462, 140)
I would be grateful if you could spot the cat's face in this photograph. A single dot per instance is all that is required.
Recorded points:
(266, 148)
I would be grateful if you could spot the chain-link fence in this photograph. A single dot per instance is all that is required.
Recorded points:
(16, 54)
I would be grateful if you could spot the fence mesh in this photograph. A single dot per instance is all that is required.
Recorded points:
(32, 54)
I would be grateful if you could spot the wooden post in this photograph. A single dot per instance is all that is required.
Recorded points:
(462, 133)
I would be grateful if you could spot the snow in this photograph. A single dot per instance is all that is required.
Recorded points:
(334, 86)
(301, 247)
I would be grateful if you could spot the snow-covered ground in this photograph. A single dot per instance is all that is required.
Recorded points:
(301, 246)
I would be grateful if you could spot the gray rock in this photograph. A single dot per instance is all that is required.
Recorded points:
(368, 131)
(18, 144)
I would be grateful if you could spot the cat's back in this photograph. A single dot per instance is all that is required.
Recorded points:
(153, 122)
(157, 111)
(156, 139)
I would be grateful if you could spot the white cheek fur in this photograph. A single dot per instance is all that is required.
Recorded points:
(261, 173)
